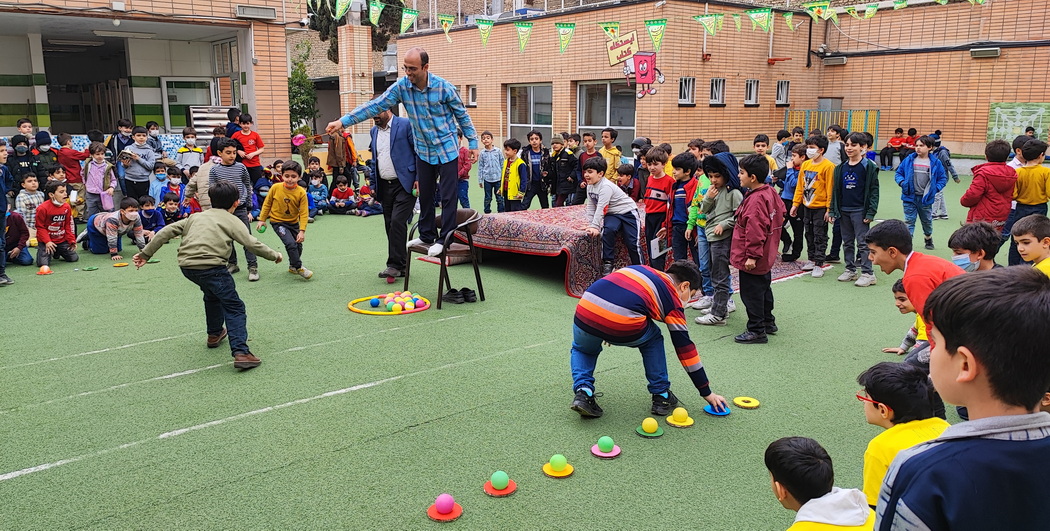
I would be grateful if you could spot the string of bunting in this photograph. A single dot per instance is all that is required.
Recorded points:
(762, 18)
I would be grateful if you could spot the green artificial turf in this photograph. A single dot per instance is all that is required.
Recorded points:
(94, 370)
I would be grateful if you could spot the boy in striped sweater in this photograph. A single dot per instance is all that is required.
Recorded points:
(622, 309)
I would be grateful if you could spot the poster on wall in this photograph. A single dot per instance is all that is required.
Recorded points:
(1007, 121)
(622, 48)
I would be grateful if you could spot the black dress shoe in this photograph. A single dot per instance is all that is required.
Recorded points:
(751, 338)
(469, 295)
(454, 296)
(772, 330)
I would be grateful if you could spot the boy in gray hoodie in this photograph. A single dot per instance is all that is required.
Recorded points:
(138, 160)
(611, 214)
(719, 207)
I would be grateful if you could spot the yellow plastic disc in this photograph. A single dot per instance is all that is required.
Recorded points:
(746, 402)
(120, 264)
(566, 472)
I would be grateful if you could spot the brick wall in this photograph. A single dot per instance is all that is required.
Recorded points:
(317, 65)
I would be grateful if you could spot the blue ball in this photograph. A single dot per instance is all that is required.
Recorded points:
(374, 303)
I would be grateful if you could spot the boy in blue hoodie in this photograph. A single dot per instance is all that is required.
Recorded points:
(151, 216)
(921, 177)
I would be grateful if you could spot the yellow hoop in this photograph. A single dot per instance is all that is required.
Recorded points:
(350, 306)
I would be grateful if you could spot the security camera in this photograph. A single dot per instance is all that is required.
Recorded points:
(305, 21)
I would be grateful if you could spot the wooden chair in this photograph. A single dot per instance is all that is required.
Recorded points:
(466, 224)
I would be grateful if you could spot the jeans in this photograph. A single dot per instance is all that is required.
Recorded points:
(627, 226)
(66, 251)
(1022, 210)
(437, 182)
(720, 275)
(924, 213)
(836, 240)
(222, 305)
(538, 190)
(490, 190)
(397, 214)
(684, 249)
(853, 245)
(939, 208)
(703, 254)
(97, 241)
(792, 246)
(816, 228)
(756, 292)
(464, 193)
(586, 346)
(287, 232)
(120, 180)
(3, 242)
(93, 204)
(242, 214)
(23, 258)
(653, 223)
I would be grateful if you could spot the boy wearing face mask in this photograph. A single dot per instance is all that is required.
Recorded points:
(100, 181)
(105, 230)
(153, 140)
(139, 162)
(158, 182)
(319, 192)
(974, 246)
(812, 197)
(22, 161)
(189, 155)
(288, 209)
(46, 159)
(118, 142)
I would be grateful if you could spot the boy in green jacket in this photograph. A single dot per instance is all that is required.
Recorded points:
(855, 201)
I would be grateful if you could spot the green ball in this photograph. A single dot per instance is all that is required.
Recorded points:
(605, 444)
(500, 480)
(390, 306)
(558, 462)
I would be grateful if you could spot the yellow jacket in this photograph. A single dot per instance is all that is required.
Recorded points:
(513, 186)
(286, 206)
(815, 182)
(1033, 185)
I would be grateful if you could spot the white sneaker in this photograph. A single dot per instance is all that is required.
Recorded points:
(807, 266)
(730, 308)
(412, 242)
(817, 272)
(703, 302)
(710, 320)
(865, 280)
(848, 276)
(435, 249)
(306, 273)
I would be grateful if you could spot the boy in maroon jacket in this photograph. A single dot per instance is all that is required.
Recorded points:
(759, 220)
(991, 193)
(17, 240)
(54, 226)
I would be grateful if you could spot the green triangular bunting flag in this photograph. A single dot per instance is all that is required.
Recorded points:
(524, 32)
(656, 31)
(375, 8)
(565, 32)
(789, 19)
(408, 16)
(760, 18)
(485, 28)
(446, 22)
(709, 22)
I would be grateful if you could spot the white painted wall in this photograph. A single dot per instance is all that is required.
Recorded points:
(160, 58)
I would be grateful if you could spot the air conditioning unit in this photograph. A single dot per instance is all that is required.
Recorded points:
(259, 13)
(832, 61)
(978, 53)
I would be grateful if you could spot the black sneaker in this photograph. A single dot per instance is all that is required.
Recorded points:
(751, 338)
(454, 296)
(772, 330)
(5, 280)
(664, 406)
(834, 260)
(929, 244)
(469, 295)
(607, 268)
(585, 405)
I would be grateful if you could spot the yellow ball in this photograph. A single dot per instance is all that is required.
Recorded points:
(649, 425)
(410, 306)
(396, 309)
(680, 415)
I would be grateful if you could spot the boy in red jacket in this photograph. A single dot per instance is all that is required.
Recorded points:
(54, 227)
(756, 236)
(890, 248)
(70, 159)
(992, 190)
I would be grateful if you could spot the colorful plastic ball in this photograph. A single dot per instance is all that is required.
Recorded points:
(605, 444)
(500, 480)
(410, 306)
(390, 306)
(558, 462)
(680, 415)
(397, 308)
(374, 303)
(397, 293)
(649, 425)
(444, 503)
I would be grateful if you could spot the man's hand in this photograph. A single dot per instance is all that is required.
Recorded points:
(116, 258)
(139, 260)
(894, 350)
(717, 230)
(592, 231)
(333, 127)
(280, 258)
(794, 211)
(717, 402)
(749, 264)
(50, 247)
(301, 237)
(259, 226)
(474, 156)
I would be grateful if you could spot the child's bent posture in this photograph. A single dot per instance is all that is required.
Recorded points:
(203, 256)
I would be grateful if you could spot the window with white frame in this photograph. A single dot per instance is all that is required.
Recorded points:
(529, 108)
(687, 91)
(606, 104)
(718, 91)
(783, 92)
(472, 95)
(751, 92)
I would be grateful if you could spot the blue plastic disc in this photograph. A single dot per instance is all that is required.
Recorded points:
(712, 411)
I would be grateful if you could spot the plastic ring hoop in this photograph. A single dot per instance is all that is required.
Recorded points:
(354, 309)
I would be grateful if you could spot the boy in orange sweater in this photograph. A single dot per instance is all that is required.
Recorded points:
(813, 195)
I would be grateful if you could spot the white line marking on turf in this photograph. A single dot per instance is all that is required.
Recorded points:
(118, 386)
(359, 336)
(219, 422)
(110, 349)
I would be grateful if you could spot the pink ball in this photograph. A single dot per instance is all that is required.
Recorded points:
(444, 503)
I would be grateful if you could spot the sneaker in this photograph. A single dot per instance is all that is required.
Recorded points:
(391, 272)
(664, 406)
(585, 405)
(233, 268)
(807, 266)
(865, 280)
(305, 273)
(703, 303)
(253, 274)
(788, 258)
(242, 360)
(5, 280)
(772, 330)
(848, 276)
(352, 212)
(607, 268)
(469, 295)
(929, 244)
(414, 242)
(817, 272)
(435, 249)
(454, 296)
(751, 338)
(710, 320)
(833, 260)
(213, 341)
(309, 220)
(730, 308)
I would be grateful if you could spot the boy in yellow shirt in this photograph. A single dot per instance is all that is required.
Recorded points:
(899, 398)
(813, 195)
(804, 482)
(288, 209)
(1032, 236)
(1031, 191)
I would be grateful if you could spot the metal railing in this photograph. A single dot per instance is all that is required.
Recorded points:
(851, 119)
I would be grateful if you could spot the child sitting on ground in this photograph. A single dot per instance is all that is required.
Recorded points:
(170, 209)
(313, 166)
(26, 202)
(804, 482)
(916, 344)
(342, 200)
(719, 208)
(366, 204)
(151, 216)
(319, 192)
(105, 229)
(611, 213)
(203, 256)
(287, 208)
(974, 246)
(55, 233)
(1032, 236)
(16, 240)
(899, 398)
(989, 354)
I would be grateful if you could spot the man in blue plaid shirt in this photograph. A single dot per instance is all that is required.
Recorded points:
(436, 113)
